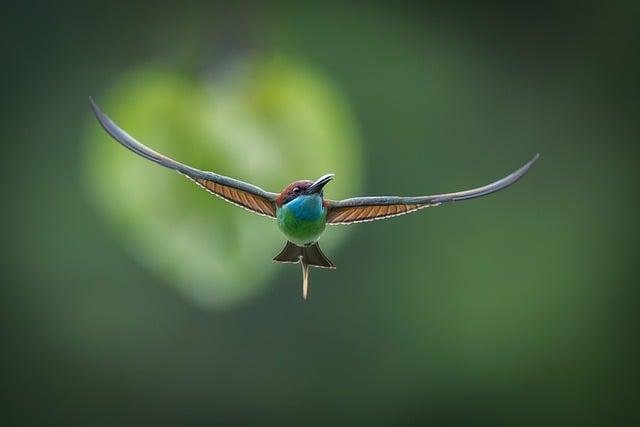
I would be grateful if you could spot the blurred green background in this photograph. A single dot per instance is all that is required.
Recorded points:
(519, 308)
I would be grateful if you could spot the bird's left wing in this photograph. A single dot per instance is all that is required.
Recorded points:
(239, 193)
(364, 209)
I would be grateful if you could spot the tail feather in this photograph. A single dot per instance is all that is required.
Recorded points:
(305, 279)
(314, 256)
(290, 253)
(306, 256)
(310, 255)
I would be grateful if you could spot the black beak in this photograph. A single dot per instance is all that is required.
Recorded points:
(317, 186)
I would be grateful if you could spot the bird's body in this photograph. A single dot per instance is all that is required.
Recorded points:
(303, 219)
(301, 210)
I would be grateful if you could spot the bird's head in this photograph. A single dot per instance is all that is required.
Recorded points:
(301, 188)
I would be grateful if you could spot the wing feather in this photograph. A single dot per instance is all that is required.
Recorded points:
(365, 209)
(240, 193)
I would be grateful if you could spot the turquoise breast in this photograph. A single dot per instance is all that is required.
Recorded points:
(303, 219)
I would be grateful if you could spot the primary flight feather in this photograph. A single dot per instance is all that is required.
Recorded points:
(301, 210)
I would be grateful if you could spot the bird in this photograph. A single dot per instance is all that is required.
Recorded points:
(300, 209)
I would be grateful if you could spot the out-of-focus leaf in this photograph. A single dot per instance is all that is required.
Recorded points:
(268, 121)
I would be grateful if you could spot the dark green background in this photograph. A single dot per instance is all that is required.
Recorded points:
(521, 308)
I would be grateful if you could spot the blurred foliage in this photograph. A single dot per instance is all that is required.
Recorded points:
(266, 120)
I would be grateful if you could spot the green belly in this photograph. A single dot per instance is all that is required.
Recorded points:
(302, 232)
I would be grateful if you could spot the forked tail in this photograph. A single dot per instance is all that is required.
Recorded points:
(306, 256)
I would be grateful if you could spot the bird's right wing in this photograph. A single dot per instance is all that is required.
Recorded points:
(232, 190)
(364, 209)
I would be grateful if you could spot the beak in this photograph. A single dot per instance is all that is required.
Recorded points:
(317, 186)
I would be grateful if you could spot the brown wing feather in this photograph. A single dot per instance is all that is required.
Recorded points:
(364, 209)
(244, 199)
(366, 213)
(242, 194)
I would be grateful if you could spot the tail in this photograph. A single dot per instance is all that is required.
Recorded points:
(306, 256)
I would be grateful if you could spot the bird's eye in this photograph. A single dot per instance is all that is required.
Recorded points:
(296, 189)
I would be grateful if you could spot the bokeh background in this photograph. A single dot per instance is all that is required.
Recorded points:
(130, 297)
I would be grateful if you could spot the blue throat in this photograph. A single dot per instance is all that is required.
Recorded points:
(306, 207)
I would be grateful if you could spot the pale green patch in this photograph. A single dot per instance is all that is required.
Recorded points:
(265, 120)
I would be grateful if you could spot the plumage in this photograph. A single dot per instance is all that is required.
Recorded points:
(303, 219)
(364, 209)
(306, 256)
(247, 196)
(301, 210)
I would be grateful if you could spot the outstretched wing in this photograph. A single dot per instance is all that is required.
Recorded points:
(364, 209)
(232, 190)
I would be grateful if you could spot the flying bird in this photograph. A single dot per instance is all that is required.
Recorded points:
(301, 210)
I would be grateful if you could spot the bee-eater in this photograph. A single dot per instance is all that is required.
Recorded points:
(301, 210)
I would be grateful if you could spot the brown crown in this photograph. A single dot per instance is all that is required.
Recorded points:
(289, 194)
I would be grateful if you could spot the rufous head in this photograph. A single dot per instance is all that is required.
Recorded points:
(303, 187)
